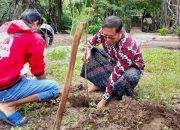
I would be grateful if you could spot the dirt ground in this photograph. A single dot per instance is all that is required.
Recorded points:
(126, 114)
(154, 40)
(145, 40)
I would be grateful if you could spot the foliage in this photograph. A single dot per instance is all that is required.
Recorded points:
(3, 9)
(177, 30)
(163, 31)
(57, 53)
(76, 10)
(3, 6)
(118, 8)
(94, 28)
(79, 16)
(65, 22)
(124, 9)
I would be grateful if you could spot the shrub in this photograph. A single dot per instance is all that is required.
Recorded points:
(177, 30)
(65, 22)
(163, 31)
(94, 28)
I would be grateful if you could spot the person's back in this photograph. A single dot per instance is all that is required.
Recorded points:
(22, 44)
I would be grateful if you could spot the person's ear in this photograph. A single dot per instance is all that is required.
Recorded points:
(36, 23)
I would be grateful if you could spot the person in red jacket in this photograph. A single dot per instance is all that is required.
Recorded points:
(117, 67)
(19, 44)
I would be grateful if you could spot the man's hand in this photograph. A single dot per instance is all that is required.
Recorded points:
(102, 104)
(86, 49)
(86, 56)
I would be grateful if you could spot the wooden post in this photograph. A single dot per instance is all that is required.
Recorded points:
(141, 18)
(64, 96)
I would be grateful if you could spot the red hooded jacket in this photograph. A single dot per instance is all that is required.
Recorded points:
(19, 44)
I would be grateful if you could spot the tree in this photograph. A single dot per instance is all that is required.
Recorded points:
(3, 10)
(164, 14)
(59, 8)
(174, 9)
(59, 12)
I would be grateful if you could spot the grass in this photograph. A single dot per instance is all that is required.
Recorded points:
(57, 53)
(57, 64)
(159, 83)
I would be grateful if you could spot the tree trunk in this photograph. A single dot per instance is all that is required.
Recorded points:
(164, 14)
(54, 14)
(59, 7)
(24, 4)
(178, 12)
(172, 8)
(59, 12)
(28, 4)
(14, 9)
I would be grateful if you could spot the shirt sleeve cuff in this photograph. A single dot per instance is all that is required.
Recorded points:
(107, 96)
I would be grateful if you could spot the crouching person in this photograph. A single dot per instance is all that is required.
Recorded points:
(47, 32)
(22, 45)
(116, 68)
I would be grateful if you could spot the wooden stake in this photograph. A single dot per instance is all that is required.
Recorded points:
(64, 96)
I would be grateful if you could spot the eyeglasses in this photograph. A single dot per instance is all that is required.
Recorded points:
(109, 37)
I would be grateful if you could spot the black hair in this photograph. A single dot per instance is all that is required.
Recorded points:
(113, 22)
(31, 15)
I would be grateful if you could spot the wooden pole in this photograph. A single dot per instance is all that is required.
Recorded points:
(62, 104)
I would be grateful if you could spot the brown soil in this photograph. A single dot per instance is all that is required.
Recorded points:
(79, 101)
(81, 114)
(62, 40)
(129, 114)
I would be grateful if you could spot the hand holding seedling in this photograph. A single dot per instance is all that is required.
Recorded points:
(86, 54)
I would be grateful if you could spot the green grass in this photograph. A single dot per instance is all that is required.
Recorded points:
(159, 83)
(57, 62)
(57, 53)
(161, 79)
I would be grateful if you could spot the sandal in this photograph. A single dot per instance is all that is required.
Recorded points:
(14, 119)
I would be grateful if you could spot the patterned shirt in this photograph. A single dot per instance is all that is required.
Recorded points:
(122, 55)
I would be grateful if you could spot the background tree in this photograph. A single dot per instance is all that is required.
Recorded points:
(64, 14)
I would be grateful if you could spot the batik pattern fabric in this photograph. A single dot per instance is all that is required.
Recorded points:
(99, 69)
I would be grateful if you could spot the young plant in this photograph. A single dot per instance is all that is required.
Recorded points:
(177, 30)
(163, 31)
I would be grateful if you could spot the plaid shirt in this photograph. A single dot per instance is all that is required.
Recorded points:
(123, 55)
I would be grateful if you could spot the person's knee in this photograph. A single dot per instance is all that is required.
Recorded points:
(132, 75)
(54, 88)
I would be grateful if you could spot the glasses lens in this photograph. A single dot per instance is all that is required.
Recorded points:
(108, 37)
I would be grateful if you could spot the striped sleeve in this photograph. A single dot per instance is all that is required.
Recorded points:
(95, 40)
